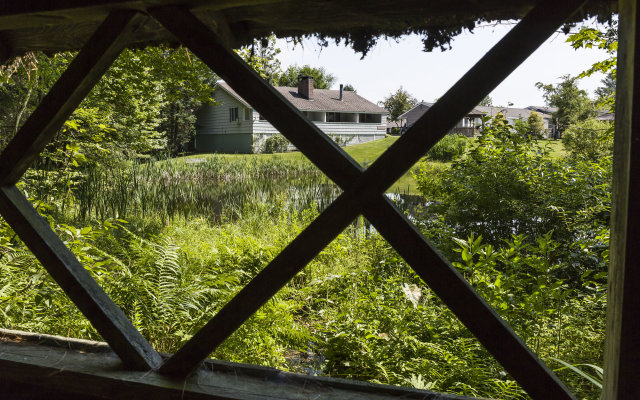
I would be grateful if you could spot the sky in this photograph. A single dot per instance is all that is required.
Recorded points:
(428, 76)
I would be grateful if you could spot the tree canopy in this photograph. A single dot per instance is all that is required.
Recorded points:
(322, 79)
(536, 124)
(349, 87)
(606, 39)
(487, 101)
(572, 102)
(262, 55)
(398, 102)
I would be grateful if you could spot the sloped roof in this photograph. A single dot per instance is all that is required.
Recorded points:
(513, 112)
(606, 116)
(30, 25)
(323, 100)
(508, 112)
(543, 109)
(421, 108)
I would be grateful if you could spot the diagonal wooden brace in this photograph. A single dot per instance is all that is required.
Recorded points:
(72, 87)
(75, 83)
(363, 194)
(82, 289)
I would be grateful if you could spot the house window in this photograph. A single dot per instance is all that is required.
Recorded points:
(370, 118)
(314, 116)
(333, 117)
(248, 114)
(233, 114)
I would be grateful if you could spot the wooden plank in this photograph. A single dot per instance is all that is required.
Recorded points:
(77, 283)
(622, 348)
(65, 370)
(70, 89)
(472, 310)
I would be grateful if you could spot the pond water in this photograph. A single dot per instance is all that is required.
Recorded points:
(214, 190)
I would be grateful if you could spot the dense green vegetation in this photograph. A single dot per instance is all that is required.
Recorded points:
(365, 154)
(171, 240)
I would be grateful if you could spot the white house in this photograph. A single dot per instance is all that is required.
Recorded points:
(232, 126)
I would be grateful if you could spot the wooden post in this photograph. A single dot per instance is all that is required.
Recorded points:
(622, 349)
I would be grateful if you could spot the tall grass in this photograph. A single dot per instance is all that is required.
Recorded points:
(216, 188)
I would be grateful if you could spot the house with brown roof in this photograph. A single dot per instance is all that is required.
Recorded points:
(471, 123)
(233, 126)
(465, 126)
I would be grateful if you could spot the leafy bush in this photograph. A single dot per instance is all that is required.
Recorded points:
(276, 143)
(590, 140)
(536, 125)
(448, 148)
(507, 184)
(341, 140)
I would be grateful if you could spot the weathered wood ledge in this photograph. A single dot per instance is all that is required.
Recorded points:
(65, 367)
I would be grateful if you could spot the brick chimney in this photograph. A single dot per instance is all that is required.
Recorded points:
(305, 87)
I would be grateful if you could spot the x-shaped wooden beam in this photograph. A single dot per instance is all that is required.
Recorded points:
(364, 193)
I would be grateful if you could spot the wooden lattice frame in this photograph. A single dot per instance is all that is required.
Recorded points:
(363, 191)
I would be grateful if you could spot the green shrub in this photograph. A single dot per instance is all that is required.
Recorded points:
(396, 131)
(590, 139)
(276, 144)
(341, 140)
(448, 148)
(507, 184)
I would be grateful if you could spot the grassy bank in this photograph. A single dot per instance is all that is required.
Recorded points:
(365, 154)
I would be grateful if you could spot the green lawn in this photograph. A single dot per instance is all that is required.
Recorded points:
(367, 153)
(556, 150)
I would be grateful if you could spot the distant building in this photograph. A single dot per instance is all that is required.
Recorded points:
(233, 126)
(472, 123)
